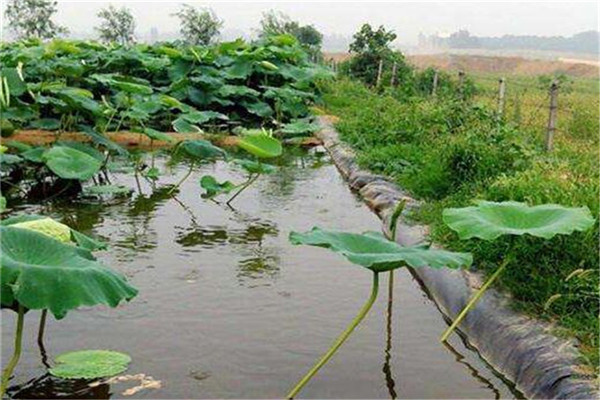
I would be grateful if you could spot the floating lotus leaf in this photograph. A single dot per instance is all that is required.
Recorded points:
(373, 251)
(90, 364)
(255, 167)
(488, 220)
(69, 163)
(40, 272)
(261, 145)
(214, 188)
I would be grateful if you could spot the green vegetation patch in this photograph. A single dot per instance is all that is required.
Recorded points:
(450, 152)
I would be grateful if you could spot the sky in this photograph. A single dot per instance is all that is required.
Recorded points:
(407, 19)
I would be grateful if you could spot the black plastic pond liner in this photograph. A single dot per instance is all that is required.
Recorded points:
(519, 347)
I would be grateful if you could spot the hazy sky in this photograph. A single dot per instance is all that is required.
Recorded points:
(406, 18)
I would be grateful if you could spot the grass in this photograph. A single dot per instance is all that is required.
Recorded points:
(449, 153)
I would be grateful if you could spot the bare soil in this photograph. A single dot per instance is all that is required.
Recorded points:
(494, 64)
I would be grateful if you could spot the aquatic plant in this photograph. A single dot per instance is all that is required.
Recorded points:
(197, 151)
(41, 271)
(260, 144)
(378, 254)
(89, 364)
(490, 220)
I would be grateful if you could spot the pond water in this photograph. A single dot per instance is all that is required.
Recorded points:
(229, 309)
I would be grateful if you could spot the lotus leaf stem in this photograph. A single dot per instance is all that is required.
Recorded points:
(42, 327)
(183, 179)
(244, 186)
(474, 300)
(7, 373)
(339, 341)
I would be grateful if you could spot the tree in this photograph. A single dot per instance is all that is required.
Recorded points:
(372, 47)
(366, 40)
(33, 19)
(117, 25)
(199, 27)
(277, 23)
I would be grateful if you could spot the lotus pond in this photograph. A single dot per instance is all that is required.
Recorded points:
(228, 308)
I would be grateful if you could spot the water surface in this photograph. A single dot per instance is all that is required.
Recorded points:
(229, 309)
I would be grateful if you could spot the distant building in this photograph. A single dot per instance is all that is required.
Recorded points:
(153, 34)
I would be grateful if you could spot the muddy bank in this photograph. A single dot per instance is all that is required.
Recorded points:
(519, 347)
(130, 139)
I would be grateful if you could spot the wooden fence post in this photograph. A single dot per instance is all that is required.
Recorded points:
(501, 93)
(394, 71)
(549, 145)
(435, 82)
(461, 84)
(379, 73)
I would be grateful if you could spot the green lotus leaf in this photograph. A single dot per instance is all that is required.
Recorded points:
(255, 167)
(2, 203)
(152, 173)
(49, 227)
(69, 163)
(50, 124)
(373, 251)
(257, 108)
(40, 272)
(201, 117)
(82, 240)
(34, 155)
(214, 188)
(182, 126)
(489, 220)
(90, 364)
(201, 149)
(261, 145)
(157, 135)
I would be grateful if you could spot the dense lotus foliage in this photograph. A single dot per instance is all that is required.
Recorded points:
(91, 87)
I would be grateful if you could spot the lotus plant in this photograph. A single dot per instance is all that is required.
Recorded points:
(42, 269)
(490, 220)
(373, 251)
(261, 144)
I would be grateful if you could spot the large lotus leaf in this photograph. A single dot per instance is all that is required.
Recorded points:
(214, 188)
(261, 145)
(28, 220)
(488, 220)
(40, 272)
(69, 163)
(90, 364)
(373, 251)
(201, 149)
(49, 227)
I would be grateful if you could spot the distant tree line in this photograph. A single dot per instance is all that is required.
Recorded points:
(584, 42)
(198, 26)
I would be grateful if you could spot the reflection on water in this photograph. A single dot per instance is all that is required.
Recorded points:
(49, 387)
